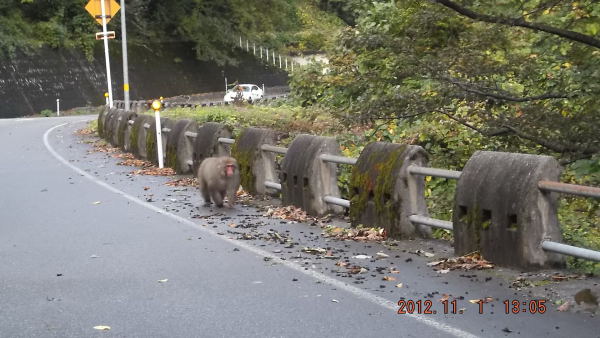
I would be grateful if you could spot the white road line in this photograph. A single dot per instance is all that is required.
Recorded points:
(385, 303)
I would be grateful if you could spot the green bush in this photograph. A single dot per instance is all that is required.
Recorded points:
(47, 112)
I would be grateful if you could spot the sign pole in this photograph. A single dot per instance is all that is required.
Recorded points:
(156, 105)
(105, 38)
(124, 49)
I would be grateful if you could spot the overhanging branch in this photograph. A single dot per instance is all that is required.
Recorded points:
(520, 22)
(504, 96)
(506, 129)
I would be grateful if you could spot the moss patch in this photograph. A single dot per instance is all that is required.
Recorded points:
(135, 129)
(245, 159)
(100, 124)
(171, 157)
(373, 179)
(473, 224)
(151, 151)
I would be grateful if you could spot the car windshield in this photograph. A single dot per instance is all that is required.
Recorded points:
(241, 88)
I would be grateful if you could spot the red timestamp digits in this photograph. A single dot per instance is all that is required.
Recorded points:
(533, 306)
(424, 307)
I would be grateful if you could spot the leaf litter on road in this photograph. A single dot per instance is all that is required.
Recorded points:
(356, 234)
(472, 261)
(183, 182)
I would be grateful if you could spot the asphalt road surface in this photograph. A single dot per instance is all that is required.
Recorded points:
(85, 243)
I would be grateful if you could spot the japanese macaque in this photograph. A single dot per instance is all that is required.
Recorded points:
(219, 177)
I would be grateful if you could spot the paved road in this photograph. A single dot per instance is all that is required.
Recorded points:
(84, 243)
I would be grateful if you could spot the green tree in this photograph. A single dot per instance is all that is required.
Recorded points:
(523, 68)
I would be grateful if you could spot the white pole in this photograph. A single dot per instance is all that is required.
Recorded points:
(240, 41)
(285, 63)
(247, 49)
(254, 48)
(267, 54)
(108, 79)
(158, 138)
(57, 107)
(261, 52)
(279, 60)
(292, 65)
(226, 84)
(273, 58)
(125, 63)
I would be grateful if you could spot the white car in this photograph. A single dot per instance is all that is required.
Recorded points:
(245, 92)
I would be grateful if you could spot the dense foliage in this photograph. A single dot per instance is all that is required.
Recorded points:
(460, 76)
(214, 26)
(519, 68)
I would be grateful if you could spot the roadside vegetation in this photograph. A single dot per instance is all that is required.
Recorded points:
(212, 26)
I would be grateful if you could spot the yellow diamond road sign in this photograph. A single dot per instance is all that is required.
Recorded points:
(94, 7)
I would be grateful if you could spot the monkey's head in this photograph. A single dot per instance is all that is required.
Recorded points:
(230, 166)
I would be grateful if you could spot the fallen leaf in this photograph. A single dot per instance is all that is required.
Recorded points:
(356, 269)
(96, 203)
(232, 225)
(389, 278)
(362, 257)
(146, 188)
(335, 300)
(424, 253)
(443, 271)
(444, 298)
(399, 285)
(474, 301)
(102, 327)
(163, 280)
(565, 307)
(314, 251)
(393, 270)
(382, 255)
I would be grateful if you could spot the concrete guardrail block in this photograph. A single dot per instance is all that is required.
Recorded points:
(383, 193)
(134, 136)
(500, 211)
(121, 126)
(306, 179)
(173, 136)
(108, 125)
(256, 166)
(114, 126)
(185, 148)
(151, 151)
(206, 143)
(101, 120)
